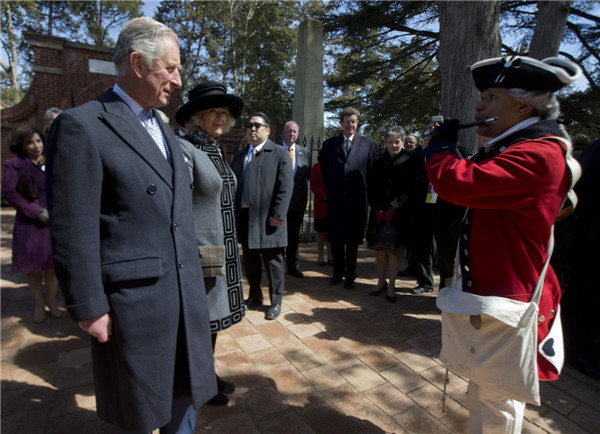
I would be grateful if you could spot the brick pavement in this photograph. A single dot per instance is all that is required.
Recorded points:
(335, 361)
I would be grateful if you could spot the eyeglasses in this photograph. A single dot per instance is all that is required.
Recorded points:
(257, 125)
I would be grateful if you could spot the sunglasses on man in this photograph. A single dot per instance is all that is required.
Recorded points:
(257, 125)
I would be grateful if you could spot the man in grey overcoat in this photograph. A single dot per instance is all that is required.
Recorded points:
(264, 190)
(124, 247)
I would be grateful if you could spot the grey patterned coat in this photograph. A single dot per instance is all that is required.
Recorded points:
(214, 221)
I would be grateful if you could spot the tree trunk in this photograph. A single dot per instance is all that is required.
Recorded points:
(469, 32)
(14, 54)
(549, 28)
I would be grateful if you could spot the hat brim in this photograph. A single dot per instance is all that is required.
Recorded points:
(234, 103)
(548, 75)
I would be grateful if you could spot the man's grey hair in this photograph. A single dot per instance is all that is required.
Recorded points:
(394, 131)
(144, 35)
(545, 103)
(47, 116)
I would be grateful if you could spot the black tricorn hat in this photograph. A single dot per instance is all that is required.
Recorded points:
(523, 72)
(207, 95)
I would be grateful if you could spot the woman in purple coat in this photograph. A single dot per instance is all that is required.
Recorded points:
(23, 187)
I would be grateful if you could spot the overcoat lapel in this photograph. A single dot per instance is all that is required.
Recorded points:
(340, 150)
(126, 125)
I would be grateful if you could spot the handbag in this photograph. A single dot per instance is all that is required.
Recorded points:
(383, 237)
(492, 341)
(212, 259)
(27, 188)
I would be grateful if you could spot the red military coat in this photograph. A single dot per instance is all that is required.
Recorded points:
(515, 196)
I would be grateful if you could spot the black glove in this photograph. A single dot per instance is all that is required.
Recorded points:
(444, 138)
(447, 132)
(43, 217)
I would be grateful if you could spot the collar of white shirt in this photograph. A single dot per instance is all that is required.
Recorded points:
(135, 107)
(517, 127)
(256, 149)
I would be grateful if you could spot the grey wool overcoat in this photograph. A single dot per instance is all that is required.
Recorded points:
(123, 242)
(271, 186)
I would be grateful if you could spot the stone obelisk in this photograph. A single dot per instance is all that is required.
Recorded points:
(308, 94)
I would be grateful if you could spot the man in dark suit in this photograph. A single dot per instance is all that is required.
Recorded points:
(119, 197)
(264, 189)
(302, 164)
(346, 160)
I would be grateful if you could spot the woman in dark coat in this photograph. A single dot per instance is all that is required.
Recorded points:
(389, 184)
(208, 114)
(23, 187)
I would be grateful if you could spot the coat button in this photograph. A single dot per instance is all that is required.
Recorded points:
(191, 185)
(542, 318)
(174, 226)
(151, 189)
(180, 264)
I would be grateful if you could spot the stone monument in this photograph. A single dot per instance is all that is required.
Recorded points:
(308, 94)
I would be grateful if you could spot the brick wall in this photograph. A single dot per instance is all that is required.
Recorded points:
(63, 78)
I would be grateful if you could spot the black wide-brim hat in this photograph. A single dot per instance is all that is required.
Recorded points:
(548, 75)
(205, 95)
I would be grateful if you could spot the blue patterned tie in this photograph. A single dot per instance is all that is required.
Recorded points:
(150, 124)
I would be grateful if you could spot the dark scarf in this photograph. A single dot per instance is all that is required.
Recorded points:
(200, 138)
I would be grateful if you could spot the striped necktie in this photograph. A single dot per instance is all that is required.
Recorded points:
(150, 124)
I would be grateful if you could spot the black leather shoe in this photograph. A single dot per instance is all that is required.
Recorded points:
(224, 386)
(420, 290)
(322, 263)
(252, 303)
(335, 280)
(349, 284)
(391, 298)
(220, 399)
(273, 312)
(296, 273)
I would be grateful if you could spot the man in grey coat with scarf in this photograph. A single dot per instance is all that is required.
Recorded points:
(264, 190)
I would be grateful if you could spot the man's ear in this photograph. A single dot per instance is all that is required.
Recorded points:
(525, 109)
(138, 64)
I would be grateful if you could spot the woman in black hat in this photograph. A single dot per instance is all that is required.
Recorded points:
(210, 112)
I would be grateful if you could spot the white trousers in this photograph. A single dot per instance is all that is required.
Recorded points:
(491, 412)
